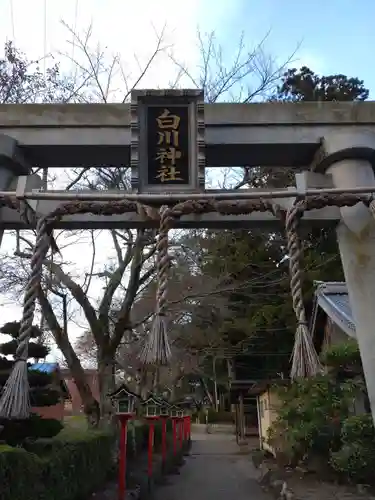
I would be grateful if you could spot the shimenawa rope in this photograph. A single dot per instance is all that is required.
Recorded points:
(156, 350)
(305, 360)
(14, 402)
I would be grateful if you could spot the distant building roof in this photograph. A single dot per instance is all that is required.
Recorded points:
(332, 297)
(45, 367)
(51, 368)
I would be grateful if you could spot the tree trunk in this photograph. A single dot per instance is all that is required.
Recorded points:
(106, 379)
(173, 393)
(207, 392)
(216, 396)
(143, 387)
(230, 370)
(90, 405)
(242, 418)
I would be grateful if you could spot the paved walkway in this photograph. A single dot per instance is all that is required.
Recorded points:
(214, 470)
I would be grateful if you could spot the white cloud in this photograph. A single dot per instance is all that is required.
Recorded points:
(121, 27)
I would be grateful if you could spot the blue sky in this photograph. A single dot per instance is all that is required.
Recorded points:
(335, 36)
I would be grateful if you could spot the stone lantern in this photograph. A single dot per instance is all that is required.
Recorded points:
(153, 407)
(124, 401)
(173, 411)
(165, 408)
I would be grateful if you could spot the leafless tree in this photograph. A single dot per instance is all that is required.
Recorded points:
(126, 299)
(132, 251)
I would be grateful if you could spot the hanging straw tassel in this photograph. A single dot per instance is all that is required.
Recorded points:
(305, 360)
(15, 402)
(156, 350)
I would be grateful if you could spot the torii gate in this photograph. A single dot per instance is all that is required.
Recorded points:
(169, 137)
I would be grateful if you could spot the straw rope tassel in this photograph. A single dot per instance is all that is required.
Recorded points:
(14, 402)
(156, 350)
(305, 360)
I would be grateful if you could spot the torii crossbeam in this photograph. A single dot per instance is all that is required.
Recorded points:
(168, 138)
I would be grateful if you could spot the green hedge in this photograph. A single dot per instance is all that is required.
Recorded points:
(356, 457)
(56, 469)
(15, 432)
(19, 474)
(141, 437)
(67, 467)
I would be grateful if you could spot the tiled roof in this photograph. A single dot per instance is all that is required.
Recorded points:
(45, 367)
(333, 298)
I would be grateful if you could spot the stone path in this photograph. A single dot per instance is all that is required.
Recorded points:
(214, 470)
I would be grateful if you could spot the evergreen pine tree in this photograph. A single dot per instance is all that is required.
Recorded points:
(41, 392)
(260, 307)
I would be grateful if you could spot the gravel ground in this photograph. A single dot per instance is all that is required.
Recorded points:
(312, 489)
(214, 470)
(217, 469)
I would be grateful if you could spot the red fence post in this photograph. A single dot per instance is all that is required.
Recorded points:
(180, 430)
(122, 456)
(164, 440)
(174, 425)
(151, 434)
(150, 447)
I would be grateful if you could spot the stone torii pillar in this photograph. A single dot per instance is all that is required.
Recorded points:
(12, 164)
(348, 156)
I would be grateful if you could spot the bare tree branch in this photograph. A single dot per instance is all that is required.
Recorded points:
(115, 280)
(93, 246)
(123, 317)
(66, 348)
